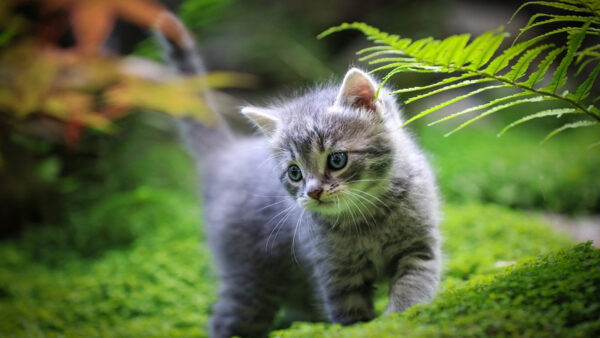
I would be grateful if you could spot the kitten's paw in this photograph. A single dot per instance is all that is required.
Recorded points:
(389, 310)
(352, 317)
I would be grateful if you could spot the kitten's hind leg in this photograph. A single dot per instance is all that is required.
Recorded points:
(243, 310)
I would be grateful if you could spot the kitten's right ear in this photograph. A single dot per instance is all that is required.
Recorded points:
(358, 90)
(265, 119)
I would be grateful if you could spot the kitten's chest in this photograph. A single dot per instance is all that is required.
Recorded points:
(370, 251)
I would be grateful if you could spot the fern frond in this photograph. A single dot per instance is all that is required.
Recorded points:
(550, 112)
(583, 91)
(571, 7)
(543, 67)
(574, 125)
(498, 108)
(481, 106)
(585, 63)
(555, 19)
(560, 75)
(433, 85)
(522, 66)
(449, 102)
(443, 89)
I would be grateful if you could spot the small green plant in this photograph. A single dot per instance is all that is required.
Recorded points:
(481, 61)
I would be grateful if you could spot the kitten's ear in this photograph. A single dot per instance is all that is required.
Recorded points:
(358, 90)
(265, 119)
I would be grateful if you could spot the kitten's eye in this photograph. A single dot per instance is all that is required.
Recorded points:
(337, 161)
(294, 173)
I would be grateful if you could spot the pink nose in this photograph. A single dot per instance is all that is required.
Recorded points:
(315, 193)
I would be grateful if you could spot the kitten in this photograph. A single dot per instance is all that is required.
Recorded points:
(333, 197)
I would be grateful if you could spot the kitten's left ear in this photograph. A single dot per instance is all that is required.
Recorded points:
(358, 90)
(263, 118)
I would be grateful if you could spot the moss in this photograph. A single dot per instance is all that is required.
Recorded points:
(554, 295)
(163, 283)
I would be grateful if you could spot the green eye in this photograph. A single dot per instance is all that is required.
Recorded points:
(337, 160)
(294, 173)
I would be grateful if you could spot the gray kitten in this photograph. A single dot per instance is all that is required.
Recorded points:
(333, 197)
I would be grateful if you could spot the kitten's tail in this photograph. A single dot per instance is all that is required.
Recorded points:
(183, 56)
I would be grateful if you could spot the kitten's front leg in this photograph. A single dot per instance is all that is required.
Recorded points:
(348, 296)
(415, 278)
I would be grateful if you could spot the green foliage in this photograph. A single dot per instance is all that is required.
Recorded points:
(481, 60)
(554, 295)
(109, 201)
(474, 165)
(162, 283)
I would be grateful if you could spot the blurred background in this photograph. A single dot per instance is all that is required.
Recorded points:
(101, 228)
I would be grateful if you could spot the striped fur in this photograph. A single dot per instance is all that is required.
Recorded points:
(276, 248)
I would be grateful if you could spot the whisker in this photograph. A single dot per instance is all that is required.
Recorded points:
(338, 215)
(269, 221)
(359, 209)
(272, 157)
(352, 215)
(369, 180)
(279, 226)
(270, 205)
(294, 237)
(366, 209)
(355, 192)
(375, 197)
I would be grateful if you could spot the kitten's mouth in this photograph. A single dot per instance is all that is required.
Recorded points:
(322, 207)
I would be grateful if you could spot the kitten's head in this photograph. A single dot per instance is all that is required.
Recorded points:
(333, 145)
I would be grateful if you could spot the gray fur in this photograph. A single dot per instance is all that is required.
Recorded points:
(276, 248)
(268, 246)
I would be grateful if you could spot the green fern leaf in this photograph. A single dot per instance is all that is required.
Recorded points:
(558, 5)
(433, 85)
(572, 2)
(573, 125)
(520, 68)
(554, 19)
(474, 49)
(585, 63)
(543, 67)
(453, 46)
(550, 112)
(399, 60)
(379, 53)
(449, 87)
(583, 91)
(476, 61)
(416, 46)
(502, 61)
(449, 102)
(482, 106)
(560, 75)
(487, 52)
(568, 30)
(498, 108)
(373, 49)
